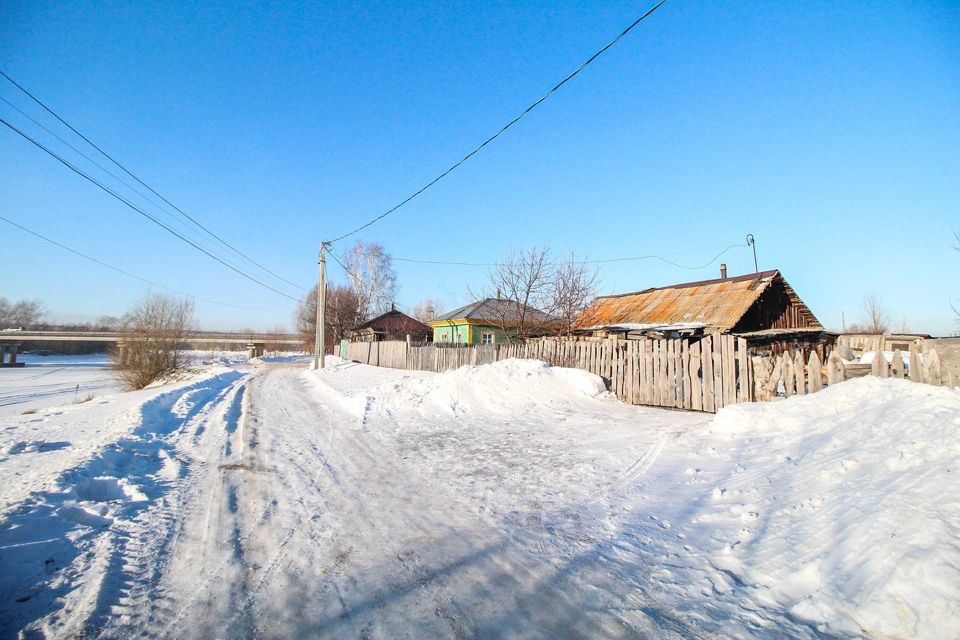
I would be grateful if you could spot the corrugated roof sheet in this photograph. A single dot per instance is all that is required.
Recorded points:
(494, 310)
(394, 319)
(716, 303)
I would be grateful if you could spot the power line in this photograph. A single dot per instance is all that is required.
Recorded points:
(670, 262)
(350, 272)
(601, 261)
(107, 189)
(92, 161)
(505, 127)
(131, 275)
(148, 187)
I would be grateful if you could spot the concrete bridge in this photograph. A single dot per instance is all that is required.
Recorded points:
(255, 343)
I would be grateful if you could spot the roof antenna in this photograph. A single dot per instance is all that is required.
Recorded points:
(753, 243)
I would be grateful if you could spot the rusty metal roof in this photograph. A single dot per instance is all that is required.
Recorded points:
(716, 303)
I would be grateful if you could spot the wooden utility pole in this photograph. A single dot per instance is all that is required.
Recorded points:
(318, 359)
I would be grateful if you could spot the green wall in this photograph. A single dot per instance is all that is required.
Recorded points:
(450, 333)
(474, 333)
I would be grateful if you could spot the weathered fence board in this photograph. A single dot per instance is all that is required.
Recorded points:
(699, 375)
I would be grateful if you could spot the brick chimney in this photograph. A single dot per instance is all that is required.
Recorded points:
(723, 270)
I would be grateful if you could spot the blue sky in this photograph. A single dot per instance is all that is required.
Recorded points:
(830, 131)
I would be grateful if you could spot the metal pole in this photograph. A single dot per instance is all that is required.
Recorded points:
(318, 360)
(753, 243)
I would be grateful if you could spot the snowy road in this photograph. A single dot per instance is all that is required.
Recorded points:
(325, 528)
(507, 501)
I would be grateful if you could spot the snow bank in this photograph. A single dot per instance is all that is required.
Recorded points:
(841, 508)
(507, 387)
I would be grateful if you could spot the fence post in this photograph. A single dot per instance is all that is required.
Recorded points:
(834, 368)
(696, 388)
(879, 365)
(896, 366)
(707, 365)
(916, 369)
(798, 367)
(789, 378)
(932, 374)
(813, 371)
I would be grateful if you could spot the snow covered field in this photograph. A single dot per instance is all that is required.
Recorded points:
(510, 500)
(48, 381)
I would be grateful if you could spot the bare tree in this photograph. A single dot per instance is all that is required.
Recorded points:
(370, 270)
(342, 314)
(523, 282)
(875, 316)
(154, 331)
(574, 287)
(538, 296)
(24, 313)
(427, 310)
(272, 339)
(108, 323)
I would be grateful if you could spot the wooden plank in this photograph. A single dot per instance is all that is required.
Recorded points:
(678, 369)
(815, 377)
(622, 364)
(659, 373)
(666, 381)
(670, 388)
(719, 394)
(645, 363)
(798, 368)
(897, 367)
(730, 387)
(744, 388)
(761, 369)
(916, 369)
(834, 368)
(637, 374)
(696, 389)
(932, 372)
(654, 373)
(879, 365)
(723, 380)
(709, 402)
(789, 378)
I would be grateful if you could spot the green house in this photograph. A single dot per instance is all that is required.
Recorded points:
(488, 321)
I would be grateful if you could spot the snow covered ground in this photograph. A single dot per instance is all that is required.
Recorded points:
(48, 381)
(510, 500)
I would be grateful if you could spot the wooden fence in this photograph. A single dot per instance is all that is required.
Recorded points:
(698, 375)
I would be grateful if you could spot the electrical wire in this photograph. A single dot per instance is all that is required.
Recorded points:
(113, 193)
(148, 187)
(351, 273)
(504, 128)
(94, 162)
(601, 261)
(132, 275)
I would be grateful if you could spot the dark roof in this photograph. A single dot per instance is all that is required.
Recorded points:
(494, 310)
(719, 303)
(394, 320)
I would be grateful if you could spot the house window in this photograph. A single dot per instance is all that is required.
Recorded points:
(445, 337)
(486, 338)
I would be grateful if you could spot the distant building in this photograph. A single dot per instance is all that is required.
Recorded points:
(392, 325)
(760, 307)
(487, 321)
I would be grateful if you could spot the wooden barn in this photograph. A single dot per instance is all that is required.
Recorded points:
(392, 325)
(760, 307)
